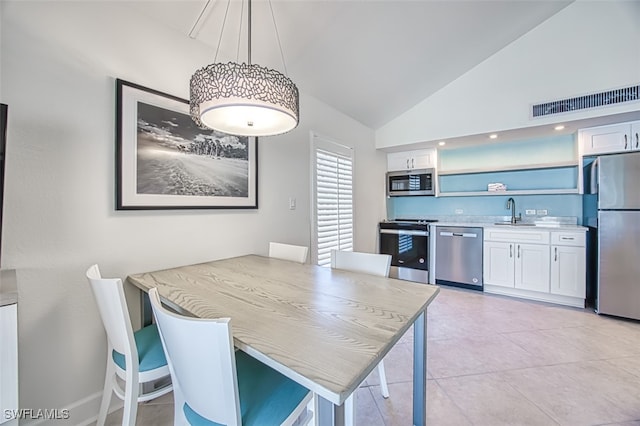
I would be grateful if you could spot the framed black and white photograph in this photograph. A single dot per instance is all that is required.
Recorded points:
(165, 161)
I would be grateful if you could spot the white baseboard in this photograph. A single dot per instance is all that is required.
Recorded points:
(81, 413)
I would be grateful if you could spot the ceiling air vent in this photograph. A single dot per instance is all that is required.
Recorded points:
(611, 97)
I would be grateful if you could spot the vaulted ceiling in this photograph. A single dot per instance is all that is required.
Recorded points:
(370, 59)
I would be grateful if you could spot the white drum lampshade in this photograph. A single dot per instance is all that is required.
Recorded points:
(244, 99)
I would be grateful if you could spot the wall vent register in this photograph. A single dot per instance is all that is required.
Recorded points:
(610, 97)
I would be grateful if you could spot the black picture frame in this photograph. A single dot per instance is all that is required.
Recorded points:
(165, 161)
(3, 143)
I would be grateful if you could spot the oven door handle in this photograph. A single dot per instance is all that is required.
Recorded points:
(403, 232)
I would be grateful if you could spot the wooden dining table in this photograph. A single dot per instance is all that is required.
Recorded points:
(324, 328)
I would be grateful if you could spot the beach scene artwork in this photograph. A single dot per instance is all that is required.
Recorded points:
(176, 157)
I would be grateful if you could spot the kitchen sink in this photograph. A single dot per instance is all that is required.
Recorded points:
(515, 224)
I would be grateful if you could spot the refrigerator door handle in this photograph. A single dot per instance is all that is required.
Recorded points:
(593, 177)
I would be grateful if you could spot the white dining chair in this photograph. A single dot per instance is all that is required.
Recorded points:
(213, 384)
(136, 358)
(288, 252)
(367, 263)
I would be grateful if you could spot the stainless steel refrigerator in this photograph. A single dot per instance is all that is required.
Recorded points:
(613, 210)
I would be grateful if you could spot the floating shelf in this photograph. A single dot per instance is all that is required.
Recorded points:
(509, 192)
(558, 165)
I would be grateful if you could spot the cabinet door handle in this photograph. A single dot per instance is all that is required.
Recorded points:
(637, 141)
(555, 258)
(518, 251)
(567, 238)
(625, 141)
(510, 251)
(413, 163)
(407, 163)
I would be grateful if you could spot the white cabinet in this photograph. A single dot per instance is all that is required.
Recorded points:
(517, 262)
(546, 265)
(532, 267)
(498, 264)
(611, 138)
(410, 160)
(635, 136)
(568, 264)
(8, 363)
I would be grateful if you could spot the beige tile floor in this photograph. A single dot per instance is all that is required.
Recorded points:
(500, 361)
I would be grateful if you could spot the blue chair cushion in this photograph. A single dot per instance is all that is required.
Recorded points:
(266, 396)
(150, 352)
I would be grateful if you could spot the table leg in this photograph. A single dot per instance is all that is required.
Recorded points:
(145, 309)
(330, 414)
(420, 370)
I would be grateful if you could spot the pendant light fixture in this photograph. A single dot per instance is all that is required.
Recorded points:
(244, 99)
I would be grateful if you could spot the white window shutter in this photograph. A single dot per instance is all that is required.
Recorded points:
(333, 203)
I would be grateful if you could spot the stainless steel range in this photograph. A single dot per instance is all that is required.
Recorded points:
(407, 241)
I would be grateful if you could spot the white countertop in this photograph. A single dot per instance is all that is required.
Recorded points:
(551, 223)
(538, 226)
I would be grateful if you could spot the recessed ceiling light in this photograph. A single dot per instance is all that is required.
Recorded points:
(442, 143)
(559, 127)
(493, 136)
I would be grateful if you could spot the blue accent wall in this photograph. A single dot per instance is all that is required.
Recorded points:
(525, 152)
(556, 178)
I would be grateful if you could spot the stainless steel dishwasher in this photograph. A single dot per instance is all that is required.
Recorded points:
(459, 256)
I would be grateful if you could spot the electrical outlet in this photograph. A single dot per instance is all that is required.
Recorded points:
(529, 211)
(541, 212)
(459, 211)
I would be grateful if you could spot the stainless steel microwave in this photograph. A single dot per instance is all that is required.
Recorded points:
(414, 182)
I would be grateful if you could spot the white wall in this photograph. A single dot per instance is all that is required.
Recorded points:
(589, 46)
(59, 64)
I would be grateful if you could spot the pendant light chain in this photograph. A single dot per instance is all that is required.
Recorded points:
(249, 33)
(240, 31)
(224, 21)
(273, 17)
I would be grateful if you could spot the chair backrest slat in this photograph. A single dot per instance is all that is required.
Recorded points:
(112, 305)
(288, 252)
(368, 263)
(202, 362)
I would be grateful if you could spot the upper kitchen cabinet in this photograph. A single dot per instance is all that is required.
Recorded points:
(411, 160)
(611, 138)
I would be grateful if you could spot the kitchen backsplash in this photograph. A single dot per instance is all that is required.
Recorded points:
(561, 205)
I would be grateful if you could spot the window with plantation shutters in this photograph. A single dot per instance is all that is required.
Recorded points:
(333, 198)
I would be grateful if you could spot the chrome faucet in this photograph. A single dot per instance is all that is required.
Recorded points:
(511, 204)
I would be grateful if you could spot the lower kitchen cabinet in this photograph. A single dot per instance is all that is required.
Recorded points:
(532, 267)
(499, 264)
(568, 264)
(535, 264)
(516, 265)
